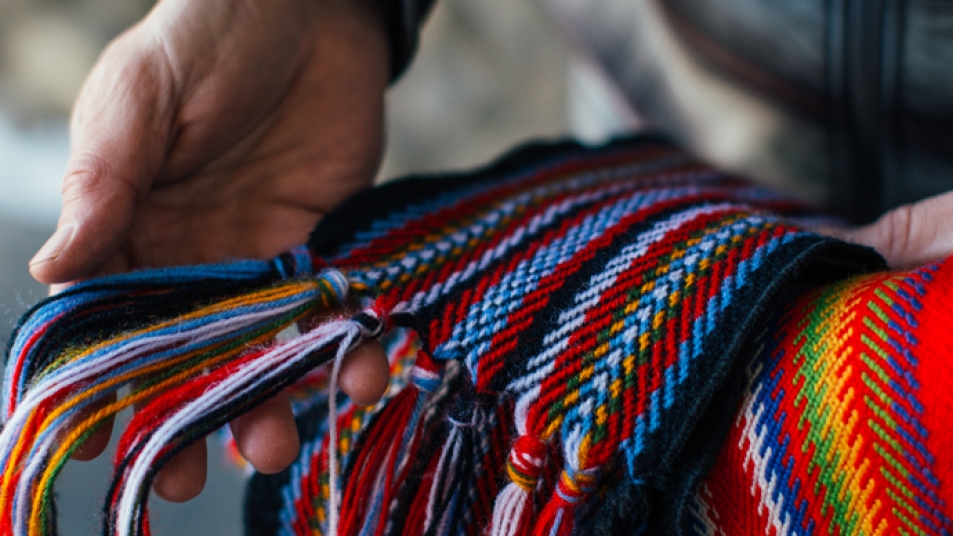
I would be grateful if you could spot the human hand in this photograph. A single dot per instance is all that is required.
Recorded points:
(910, 235)
(223, 129)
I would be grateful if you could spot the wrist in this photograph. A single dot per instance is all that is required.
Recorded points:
(351, 34)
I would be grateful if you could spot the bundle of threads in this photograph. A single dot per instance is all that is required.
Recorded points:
(572, 332)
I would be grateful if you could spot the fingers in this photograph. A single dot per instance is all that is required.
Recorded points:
(183, 478)
(266, 436)
(97, 442)
(365, 373)
(120, 135)
(911, 235)
(180, 480)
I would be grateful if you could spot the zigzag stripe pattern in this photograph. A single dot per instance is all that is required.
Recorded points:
(832, 436)
(589, 290)
(581, 320)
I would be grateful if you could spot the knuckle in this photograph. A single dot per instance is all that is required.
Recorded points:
(91, 176)
(85, 177)
(898, 231)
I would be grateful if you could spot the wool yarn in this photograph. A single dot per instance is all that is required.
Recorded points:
(847, 416)
(571, 331)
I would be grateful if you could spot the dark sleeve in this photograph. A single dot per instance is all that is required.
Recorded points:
(403, 19)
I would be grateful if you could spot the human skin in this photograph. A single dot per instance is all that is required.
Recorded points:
(218, 130)
(910, 235)
(226, 129)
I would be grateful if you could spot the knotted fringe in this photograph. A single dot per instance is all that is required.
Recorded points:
(97, 309)
(513, 510)
(572, 489)
(457, 467)
(381, 466)
(597, 301)
(449, 479)
(450, 469)
(189, 374)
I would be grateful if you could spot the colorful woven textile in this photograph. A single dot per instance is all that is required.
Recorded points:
(579, 322)
(847, 418)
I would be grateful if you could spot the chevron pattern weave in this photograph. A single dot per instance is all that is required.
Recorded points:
(845, 422)
(569, 330)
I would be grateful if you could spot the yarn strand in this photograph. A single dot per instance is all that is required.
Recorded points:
(582, 321)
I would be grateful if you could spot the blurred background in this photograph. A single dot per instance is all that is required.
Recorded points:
(490, 73)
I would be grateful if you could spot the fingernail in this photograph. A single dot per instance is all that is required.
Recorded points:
(54, 246)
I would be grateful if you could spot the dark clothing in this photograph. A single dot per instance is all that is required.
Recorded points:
(403, 19)
(848, 103)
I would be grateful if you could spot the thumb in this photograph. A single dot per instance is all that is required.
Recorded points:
(911, 235)
(120, 132)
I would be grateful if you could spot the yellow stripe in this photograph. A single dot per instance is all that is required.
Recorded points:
(263, 296)
(46, 480)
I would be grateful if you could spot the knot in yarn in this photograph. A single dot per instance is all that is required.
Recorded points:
(526, 461)
(463, 415)
(297, 263)
(427, 374)
(370, 323)
(334, 285)
(574, 486)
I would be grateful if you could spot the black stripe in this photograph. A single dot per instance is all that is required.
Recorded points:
(358, 213)
(530, 342)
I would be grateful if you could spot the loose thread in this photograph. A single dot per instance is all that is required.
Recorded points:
(366, 325)
(334, 490)
(605, 294)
